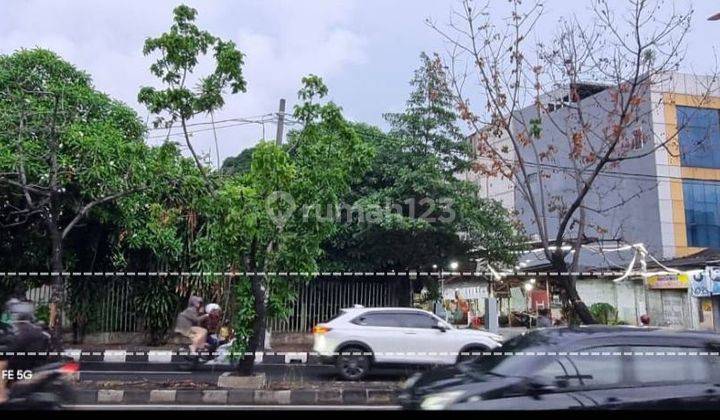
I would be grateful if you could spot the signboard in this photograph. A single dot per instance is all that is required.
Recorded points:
(479, 292)
(714, 274)
(706, 283)
(517, 299)
(701, 285)
(539, 300)
(668, 281)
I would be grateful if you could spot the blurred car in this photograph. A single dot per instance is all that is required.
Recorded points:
(580, 368)
(359, 338)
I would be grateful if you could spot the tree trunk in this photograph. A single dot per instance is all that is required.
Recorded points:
(567, 283)
(257, 340)
(257, 337)
(58, 289)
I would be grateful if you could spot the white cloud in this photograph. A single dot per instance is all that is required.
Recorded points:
(282, 40)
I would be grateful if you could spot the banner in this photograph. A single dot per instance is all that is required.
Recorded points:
(701, 284)
(668, 281)
(713, 272)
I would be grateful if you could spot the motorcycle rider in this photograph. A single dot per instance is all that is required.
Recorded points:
(23, 336)
(188, 324)
(212, 323)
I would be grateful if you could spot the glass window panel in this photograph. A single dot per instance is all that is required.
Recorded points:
(669, 364)
(699, 137)
(702, 212)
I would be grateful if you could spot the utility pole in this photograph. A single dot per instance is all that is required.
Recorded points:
(280, 123)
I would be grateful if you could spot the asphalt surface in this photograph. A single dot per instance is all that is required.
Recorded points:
(160, 407)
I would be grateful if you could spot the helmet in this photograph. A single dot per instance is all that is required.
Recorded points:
(645, 319)
(211, 307)
(10, 303)
(22, 311)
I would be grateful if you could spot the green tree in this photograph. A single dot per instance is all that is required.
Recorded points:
(428, 126)
(427, 214)
(255, 223)
(67, 150)
(239, 164)
(180, 50)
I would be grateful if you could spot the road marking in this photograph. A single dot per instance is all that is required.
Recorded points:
(180, 407)
(160, 356)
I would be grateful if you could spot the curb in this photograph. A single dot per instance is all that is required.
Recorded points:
(169, 356)
(238, 396)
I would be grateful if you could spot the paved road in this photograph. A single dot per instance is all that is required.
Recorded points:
(280, 372)
(157, 407)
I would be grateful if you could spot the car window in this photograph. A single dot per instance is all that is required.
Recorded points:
(378, 319)
(585, 370)
(599, 366)
(662, 364)
(557, 369)
(417, 320)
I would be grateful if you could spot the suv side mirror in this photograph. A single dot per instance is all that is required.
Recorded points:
(440, 326)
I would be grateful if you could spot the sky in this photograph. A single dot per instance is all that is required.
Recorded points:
(365, 50)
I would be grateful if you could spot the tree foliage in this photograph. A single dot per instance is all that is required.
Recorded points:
(423, 213)
(180, 51)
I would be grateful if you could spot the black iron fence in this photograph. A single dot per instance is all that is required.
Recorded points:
(315, 301)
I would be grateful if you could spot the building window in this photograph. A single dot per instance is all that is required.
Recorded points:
(702, 213)
(699, 135)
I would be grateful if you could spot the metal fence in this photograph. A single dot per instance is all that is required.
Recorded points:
(113, 313)
(320, 300)
(316, 301)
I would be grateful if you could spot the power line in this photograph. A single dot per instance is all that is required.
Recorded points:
(162, 136)
(251, 118)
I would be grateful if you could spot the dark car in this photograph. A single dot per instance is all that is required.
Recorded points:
(580, 368)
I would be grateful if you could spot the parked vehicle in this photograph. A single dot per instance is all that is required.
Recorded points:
(49, 388)
(590, 367)
(359, 338)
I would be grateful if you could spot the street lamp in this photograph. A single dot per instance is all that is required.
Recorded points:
(454, 265)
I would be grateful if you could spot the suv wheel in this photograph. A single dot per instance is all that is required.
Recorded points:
(470, 354)
(353, 363)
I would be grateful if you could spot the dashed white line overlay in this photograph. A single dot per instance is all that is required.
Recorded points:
(471, 353)
(309, 273)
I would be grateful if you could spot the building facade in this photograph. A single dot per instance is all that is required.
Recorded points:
(666, 197)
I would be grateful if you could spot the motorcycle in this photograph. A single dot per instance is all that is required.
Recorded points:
(49, 388)
(524, 319)
(210, 356)
(217, 352)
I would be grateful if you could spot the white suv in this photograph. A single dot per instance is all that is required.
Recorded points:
(360, 337)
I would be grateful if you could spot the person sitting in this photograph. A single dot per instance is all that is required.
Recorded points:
(544, 319)
(188, 324)
(212, 323)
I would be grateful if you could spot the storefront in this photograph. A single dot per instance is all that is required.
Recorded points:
(668, 300)
(464, 301)
(705, 290)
